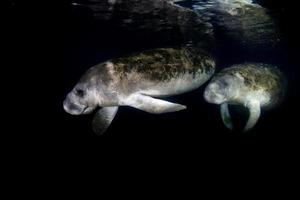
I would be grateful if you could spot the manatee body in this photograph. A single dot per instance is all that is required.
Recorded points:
(254, 85)
(137, 80)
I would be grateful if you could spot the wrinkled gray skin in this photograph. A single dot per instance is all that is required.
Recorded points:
(253, 85)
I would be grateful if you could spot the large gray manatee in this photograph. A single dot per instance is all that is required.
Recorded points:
(177, 60)
(137, 80)
(253, 85)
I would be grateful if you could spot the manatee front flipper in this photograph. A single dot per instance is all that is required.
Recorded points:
(103, 119)
(226, 115)
(152, 105)
(254, 110)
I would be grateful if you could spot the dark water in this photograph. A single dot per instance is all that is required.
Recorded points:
(86, 45)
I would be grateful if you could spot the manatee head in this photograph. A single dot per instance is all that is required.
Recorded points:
(221, 89)
(81, 100)
(87, 93)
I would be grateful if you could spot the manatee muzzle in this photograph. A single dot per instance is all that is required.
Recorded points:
(73, 108)
(214, 94)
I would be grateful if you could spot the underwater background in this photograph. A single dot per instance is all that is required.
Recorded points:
(85, 45)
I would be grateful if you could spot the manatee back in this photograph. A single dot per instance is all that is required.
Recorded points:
(165, 63)
(96, 76)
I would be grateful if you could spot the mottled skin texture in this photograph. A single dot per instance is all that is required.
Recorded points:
(165, 63)
(258, 76)
(156, 69)
(253, 85)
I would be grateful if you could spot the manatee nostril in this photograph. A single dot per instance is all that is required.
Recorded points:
(73, 106)
(206, 95)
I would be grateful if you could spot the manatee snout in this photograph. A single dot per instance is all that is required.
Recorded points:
(73, 107)
(214, 93)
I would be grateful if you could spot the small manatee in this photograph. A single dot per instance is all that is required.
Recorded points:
(253, 85)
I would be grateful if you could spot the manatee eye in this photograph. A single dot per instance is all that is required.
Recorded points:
(79, 92)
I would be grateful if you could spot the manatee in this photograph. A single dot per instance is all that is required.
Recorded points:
(139, 80)
(253, 85)
(175, 58)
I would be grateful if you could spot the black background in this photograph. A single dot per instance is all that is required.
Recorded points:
(51, 46)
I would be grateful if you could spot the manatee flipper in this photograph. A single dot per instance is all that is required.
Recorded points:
(226, 115)
(103, 119)
(254, 114)
(152, 105)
